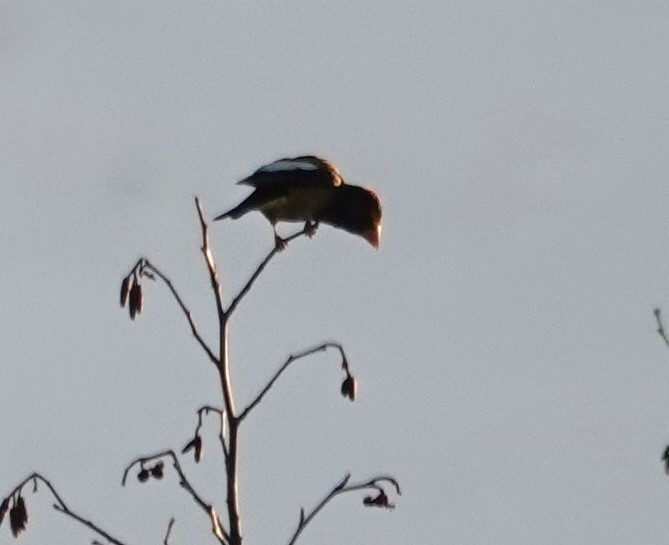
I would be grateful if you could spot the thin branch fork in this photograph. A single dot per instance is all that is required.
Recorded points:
(221, 534)
(206, 409)
(195, 444)
(231, 449)
(238, 298)
(341, 488)
(291, 359)
(145, 268)
(231, 452)
(61, 507)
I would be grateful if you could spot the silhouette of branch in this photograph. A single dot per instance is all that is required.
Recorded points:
(195, 444)
(230, 420)
(206, 409)
(169, 531)
(306, 231)
(61, 507)
(185, 484)
(209, 260)
(231, 451)
(341, 488)
(148, 269)
(292, 358)
(660, 326)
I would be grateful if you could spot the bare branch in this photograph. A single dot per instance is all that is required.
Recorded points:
(221, 431)
(374, 483)
(340, 488)
(217, 526)
(61, 507)
(169, 531)
(195, 444)
(185, 484)
(231, 451)
(209, 260)
(292, 358)
(149, 269)
(660, 326)
(261, 268)
(206, 409)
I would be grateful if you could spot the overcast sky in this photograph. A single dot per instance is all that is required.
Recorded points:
(503, 337)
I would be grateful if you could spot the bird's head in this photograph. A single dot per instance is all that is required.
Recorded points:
(358, 211)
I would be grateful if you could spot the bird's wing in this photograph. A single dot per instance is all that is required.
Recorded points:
(306, 170)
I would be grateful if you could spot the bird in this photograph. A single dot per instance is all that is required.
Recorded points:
(309, 188)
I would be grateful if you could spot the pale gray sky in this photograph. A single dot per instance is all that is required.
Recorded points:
(503, 337)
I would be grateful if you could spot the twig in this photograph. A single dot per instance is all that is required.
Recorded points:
(260, 269)
(145, 264)
(217, 527)
(206, 409)
(660, 326)
(292, 358)
(211, 266)
(221, 431)
(61, 507)
(185, 484)
(340, 488)
(169, 531)
(209, 409)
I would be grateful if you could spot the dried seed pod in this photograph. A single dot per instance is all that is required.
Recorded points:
(126, 286)
(381, 500)
(18, 516)
(194, 444)
(157, 470)
(4, 507)
(136, 300)
(143, 475)
(348, 387)
(199, 451)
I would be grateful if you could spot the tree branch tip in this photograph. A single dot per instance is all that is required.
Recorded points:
(387, 479)
(206, 409)
(170, 524)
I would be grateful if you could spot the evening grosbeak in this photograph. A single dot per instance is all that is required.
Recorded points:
(310, 189)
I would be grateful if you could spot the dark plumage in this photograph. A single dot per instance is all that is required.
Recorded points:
(310, 189)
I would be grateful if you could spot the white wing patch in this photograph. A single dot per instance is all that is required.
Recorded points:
(289, 164)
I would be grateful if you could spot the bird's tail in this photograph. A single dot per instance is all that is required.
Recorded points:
(236, 212)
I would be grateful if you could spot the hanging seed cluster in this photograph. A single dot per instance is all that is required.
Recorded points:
(131, 294)
(18, 514)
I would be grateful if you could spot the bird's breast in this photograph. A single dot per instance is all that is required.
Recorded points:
(298, 204)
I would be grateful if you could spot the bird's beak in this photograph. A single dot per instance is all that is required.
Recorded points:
(373, 236)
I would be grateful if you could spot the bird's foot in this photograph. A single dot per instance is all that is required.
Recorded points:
(310, 228)
(279, 243)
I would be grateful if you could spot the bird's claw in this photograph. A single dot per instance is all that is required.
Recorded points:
(279, 243)
(310, 228)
